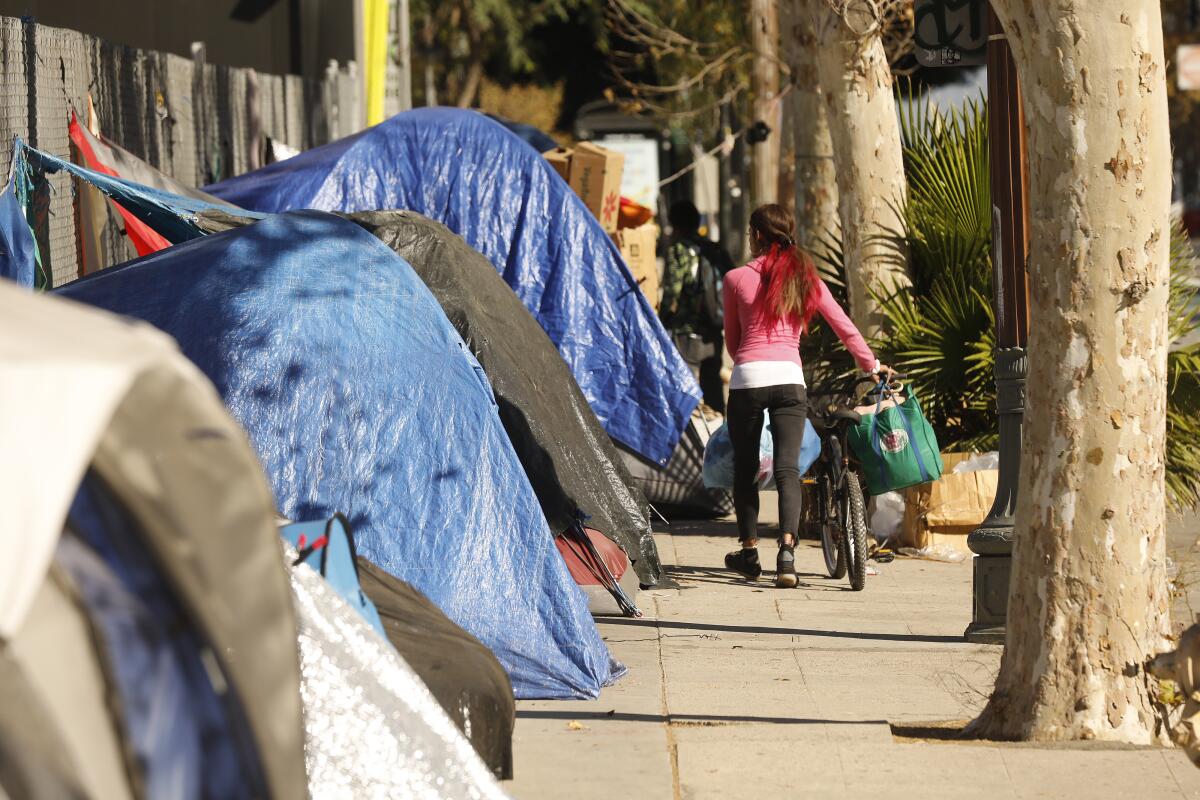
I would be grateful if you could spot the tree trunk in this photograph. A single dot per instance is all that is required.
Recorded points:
(428, 36)
(856, 81)
(470, 87)
(764, 38)
(816, 193)
(1089, 603)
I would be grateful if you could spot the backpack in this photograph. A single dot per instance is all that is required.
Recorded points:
(706, 284)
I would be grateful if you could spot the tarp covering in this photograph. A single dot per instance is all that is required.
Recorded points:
(107, 158)
(82, 389)
(186, 739)
(44, 428)
(678, 488)
(480, 180)
(573, 466)
(110, 158)
(17, 261)
(463, 675)
(169, 217)
(373, 728)
(534, 137)
(359, 396)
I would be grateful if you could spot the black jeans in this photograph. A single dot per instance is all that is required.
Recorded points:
(788, 405)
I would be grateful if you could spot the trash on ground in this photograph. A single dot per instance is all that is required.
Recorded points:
(935, 552)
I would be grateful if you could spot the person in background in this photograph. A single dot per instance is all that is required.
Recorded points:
(768, 305)
(691, 306)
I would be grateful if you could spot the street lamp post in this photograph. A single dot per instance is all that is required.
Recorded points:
(992, 541)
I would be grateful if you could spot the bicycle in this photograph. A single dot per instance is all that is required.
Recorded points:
(840, 510)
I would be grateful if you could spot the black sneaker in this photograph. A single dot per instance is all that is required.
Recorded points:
(785, 567)
(745, 563)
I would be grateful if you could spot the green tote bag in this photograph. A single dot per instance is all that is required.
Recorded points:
(896, 445)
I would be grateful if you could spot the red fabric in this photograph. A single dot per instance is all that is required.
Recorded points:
(145, 239)
(612, 555)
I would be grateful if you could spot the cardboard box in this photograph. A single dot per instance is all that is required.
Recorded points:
(946, 511)
(595, 175)
(638, 247)
(560, 159)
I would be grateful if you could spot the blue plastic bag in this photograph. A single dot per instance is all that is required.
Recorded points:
(718, 457)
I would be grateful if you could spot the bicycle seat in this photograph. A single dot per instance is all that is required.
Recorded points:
(830, 415)
(848, 414)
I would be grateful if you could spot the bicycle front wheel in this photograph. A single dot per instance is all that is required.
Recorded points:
(855, 516)
(832, 539)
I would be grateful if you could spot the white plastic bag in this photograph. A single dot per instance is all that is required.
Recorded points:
(888, 516)
(978, 463)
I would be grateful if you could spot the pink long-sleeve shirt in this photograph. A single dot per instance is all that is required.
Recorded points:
(746, 331)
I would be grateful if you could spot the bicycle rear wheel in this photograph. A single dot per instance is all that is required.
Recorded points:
(855, 516)
(832, 540)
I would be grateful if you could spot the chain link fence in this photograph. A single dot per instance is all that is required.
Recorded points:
(194, 121)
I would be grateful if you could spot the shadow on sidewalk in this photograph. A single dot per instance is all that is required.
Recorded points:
(727, 577)
(685, 719)
(707, 626)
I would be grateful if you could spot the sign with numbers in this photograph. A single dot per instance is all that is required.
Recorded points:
(950, 33)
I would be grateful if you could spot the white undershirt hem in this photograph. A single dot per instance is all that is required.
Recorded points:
(757, 374)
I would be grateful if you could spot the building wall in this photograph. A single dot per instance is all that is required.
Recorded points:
(170, 26)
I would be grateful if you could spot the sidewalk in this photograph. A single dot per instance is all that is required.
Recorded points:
(741, 691)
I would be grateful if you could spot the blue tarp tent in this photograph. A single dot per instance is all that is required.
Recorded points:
(360, 397)
(537, 139)
(480, 180)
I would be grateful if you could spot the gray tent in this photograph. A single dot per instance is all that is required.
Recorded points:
(95, 409)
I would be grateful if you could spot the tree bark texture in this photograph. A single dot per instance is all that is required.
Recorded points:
(856, 81)
(815, 188)
(1089, 602)
(764, 38)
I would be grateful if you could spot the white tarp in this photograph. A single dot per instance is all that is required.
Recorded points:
(64, 369)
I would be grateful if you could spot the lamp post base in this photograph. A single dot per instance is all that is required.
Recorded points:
(992, 574)
(992, 542)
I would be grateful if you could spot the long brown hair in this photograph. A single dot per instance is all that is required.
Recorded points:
(791, 286)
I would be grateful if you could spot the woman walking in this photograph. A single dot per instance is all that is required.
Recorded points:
(768, 305)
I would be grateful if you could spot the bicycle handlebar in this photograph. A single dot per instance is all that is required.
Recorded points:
(849, 385)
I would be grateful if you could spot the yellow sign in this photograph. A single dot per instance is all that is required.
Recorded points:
(375, 54)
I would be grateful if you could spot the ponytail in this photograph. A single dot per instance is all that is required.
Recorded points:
(792, 287)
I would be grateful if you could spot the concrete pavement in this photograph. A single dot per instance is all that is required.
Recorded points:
(736, 690)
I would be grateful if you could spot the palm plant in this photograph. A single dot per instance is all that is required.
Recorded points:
(943, 330)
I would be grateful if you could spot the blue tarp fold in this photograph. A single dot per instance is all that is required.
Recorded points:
(487, 185)
(360, 397)
(17, 259)
(170, 215)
